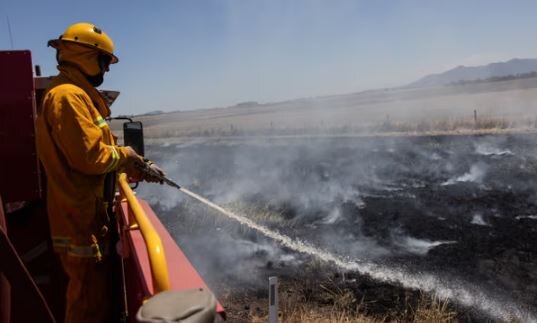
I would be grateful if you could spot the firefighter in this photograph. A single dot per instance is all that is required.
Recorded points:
(80, 155)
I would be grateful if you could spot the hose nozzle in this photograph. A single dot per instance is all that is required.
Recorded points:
(146, 169)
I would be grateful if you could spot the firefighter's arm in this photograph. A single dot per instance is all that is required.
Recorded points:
(79, 137)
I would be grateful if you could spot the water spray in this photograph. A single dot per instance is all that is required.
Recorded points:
(457, 291)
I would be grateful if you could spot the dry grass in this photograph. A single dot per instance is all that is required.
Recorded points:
(425, 126)
(432, 309)
(452, 125)
(311, 302)
(346, 309)
(342, 307)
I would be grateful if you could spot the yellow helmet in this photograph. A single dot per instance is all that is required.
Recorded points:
(88, 35)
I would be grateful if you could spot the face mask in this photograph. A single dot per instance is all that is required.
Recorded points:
(95, 80)
(104, 64)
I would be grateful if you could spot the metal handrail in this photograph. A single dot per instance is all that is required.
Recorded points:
(155, 249)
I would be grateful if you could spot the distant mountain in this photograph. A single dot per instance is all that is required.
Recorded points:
(152, 113)
(470, 73)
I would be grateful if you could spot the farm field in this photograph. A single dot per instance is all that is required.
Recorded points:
(497, 105)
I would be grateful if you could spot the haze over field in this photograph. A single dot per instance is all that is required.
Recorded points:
(493, 105)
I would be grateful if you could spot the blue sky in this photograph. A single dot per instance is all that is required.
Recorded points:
(183, 55)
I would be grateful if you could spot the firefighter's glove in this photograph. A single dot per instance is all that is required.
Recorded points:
(153, 173)
(133, 165)
(133, 159)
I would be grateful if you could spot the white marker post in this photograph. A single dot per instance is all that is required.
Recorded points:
(273, 300)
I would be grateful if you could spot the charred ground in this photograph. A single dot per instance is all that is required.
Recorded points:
(462, 208)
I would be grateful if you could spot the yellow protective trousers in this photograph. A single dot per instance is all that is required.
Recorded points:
(89, 291)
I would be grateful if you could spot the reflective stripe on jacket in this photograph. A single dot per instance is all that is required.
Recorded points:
(77, 150)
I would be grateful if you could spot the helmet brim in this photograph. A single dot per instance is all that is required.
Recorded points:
(55, 43)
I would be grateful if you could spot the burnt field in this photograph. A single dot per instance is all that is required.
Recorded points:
(453, 216)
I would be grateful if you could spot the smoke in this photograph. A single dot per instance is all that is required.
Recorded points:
(531, 217)
(455, 290)
(478, 220)
(489, 150)
(476, 174)
(383, 201)
(416, 246)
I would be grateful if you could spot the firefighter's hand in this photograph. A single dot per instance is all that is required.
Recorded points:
(133, 159)
(155, 173)
(133, 165)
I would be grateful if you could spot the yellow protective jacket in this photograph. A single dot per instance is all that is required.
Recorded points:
(77, 150)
